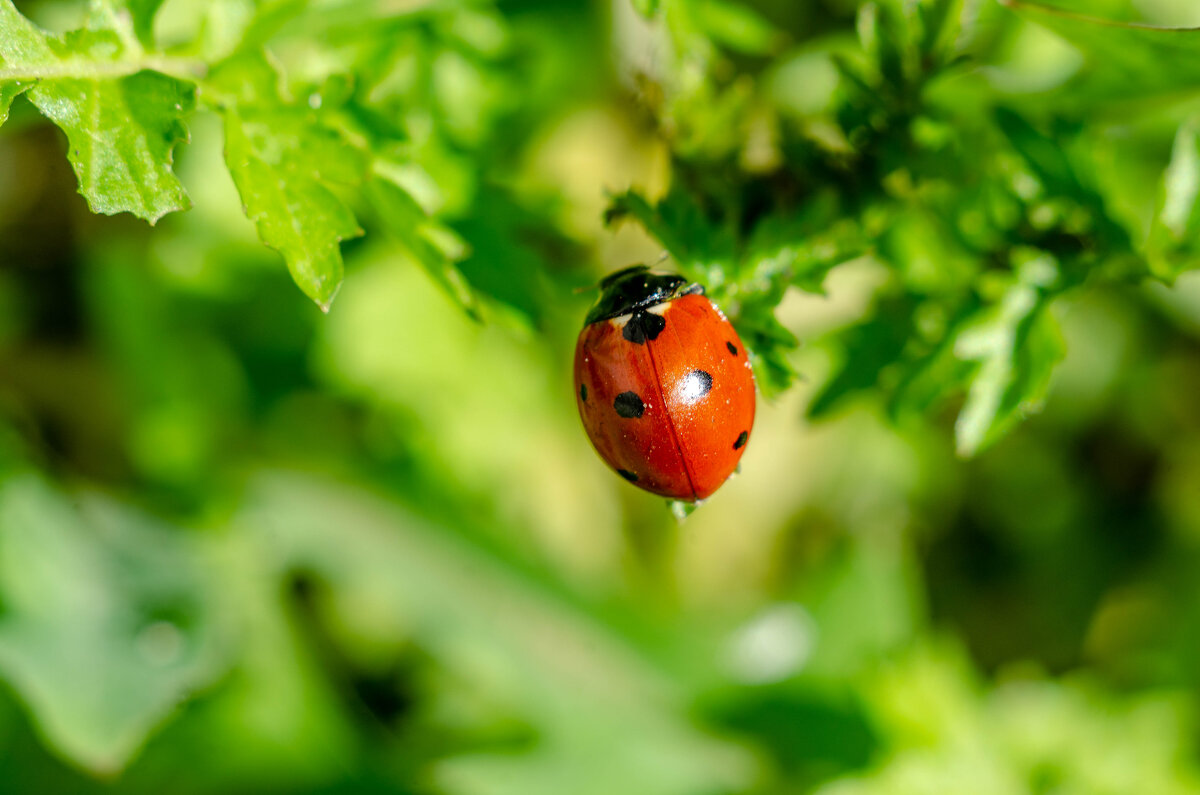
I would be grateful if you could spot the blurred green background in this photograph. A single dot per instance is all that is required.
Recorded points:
(246, 546)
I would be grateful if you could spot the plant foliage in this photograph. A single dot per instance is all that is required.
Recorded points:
(908, 159)
(929, 220)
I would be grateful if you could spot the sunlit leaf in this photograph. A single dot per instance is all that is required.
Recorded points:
(1174, 244)
(1017, 344)
(25, 47)
(283, 162)
(122, 166)
(704, 248)
(122, 122)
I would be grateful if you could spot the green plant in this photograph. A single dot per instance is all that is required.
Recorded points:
(984, 207)
(371, 550)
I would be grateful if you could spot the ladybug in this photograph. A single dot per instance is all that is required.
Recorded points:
(663, 384)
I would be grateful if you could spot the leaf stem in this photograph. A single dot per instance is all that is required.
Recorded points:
(182, 68)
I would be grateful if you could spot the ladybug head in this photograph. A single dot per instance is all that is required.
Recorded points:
(637, 287)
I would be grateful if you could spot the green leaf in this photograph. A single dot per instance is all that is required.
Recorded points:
(1065, 163)
(1045, 154)
(736, 26)
(801, 246)
(106, 626)
(403, 576)
(934, 376)
(632, 204)
(294, 214)
(512, 260)
(8, 92)
(121, 137)
(1175, 233)
(867, 349)
(703, 249)
(769, 343)
(284, 161)
(122, 122)
(941, 23)
(1017, 343)
(1125, 59)
(434, 247)
(886, 36)
(24, 45)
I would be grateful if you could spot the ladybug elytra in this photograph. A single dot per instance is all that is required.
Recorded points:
(663, 384)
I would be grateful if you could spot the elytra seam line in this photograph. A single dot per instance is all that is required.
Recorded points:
(687, 473)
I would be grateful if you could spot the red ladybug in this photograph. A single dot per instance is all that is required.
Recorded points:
(663, 383)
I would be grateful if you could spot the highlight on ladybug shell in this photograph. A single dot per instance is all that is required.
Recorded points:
(663, 384)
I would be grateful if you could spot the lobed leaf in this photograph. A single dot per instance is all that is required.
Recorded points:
(24, 45)
(121, 136)
(282, 160)
(294, 213)
(122, 122)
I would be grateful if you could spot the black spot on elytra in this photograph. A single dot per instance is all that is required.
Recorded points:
(583, 392)
(643, 326)
(741, 440)
(629, 405)
(732, 348)
(625, 473)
